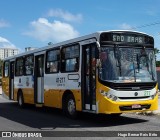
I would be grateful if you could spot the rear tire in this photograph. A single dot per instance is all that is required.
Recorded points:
(20, 99)
(70, 107)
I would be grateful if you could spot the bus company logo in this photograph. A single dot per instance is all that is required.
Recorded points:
(20, 82)
(135, 88)
(6, 134)
(136, 94)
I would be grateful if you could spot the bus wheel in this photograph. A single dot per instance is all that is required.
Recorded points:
(70, 107)
(20, 99)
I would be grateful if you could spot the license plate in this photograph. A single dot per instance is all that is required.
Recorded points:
(136, 106)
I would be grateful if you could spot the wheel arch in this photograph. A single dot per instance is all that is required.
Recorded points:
(65, 94)
(19, 92)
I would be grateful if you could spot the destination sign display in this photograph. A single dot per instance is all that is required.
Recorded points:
(124, 37)
(127, 38)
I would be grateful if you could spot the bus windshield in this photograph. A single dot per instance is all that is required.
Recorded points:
(127, 64)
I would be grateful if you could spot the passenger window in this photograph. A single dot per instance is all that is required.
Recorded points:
(6, 69)
(19, 67)
(52, 61)
(29, 61)
(70, 58)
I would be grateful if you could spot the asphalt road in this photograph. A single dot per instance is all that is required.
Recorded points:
(13, 118)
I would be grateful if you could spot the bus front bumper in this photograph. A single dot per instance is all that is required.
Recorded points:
(106, 106)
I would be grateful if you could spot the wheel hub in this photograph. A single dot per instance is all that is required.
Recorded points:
(71, 106)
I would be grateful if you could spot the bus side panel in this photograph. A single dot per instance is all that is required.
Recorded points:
(5, 86)
(77, 95)
(55, 86)
(51, 98)
(28, 94)
(24, 83)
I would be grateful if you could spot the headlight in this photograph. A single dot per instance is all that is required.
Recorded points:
(154, 95)
(114, 98)
(108, 95)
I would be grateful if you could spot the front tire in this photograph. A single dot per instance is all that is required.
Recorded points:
(70, 107)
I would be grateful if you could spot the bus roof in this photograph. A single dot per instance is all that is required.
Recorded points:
(71, 41)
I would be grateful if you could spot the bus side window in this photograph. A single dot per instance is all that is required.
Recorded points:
(19, 66)
(70, 58)
(52, 62)
(6, 69)
(52, 66)
(29, 61)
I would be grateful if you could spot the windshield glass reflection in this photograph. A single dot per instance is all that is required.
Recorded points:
(126, 64)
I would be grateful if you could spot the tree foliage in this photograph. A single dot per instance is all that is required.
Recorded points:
(156, 52)
(157, 63)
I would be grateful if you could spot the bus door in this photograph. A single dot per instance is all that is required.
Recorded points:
(39, 79)
(11, 81)
(89, 77)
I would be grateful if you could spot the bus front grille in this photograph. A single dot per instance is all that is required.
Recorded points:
(133, 86)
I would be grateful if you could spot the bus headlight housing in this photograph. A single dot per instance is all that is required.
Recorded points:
(108, 95)
(154, 95)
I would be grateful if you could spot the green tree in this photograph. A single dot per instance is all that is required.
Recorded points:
(157, 63)
(156, 52)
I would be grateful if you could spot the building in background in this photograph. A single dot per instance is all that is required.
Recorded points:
(7, 52)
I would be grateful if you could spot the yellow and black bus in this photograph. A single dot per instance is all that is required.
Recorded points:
(108, 72)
